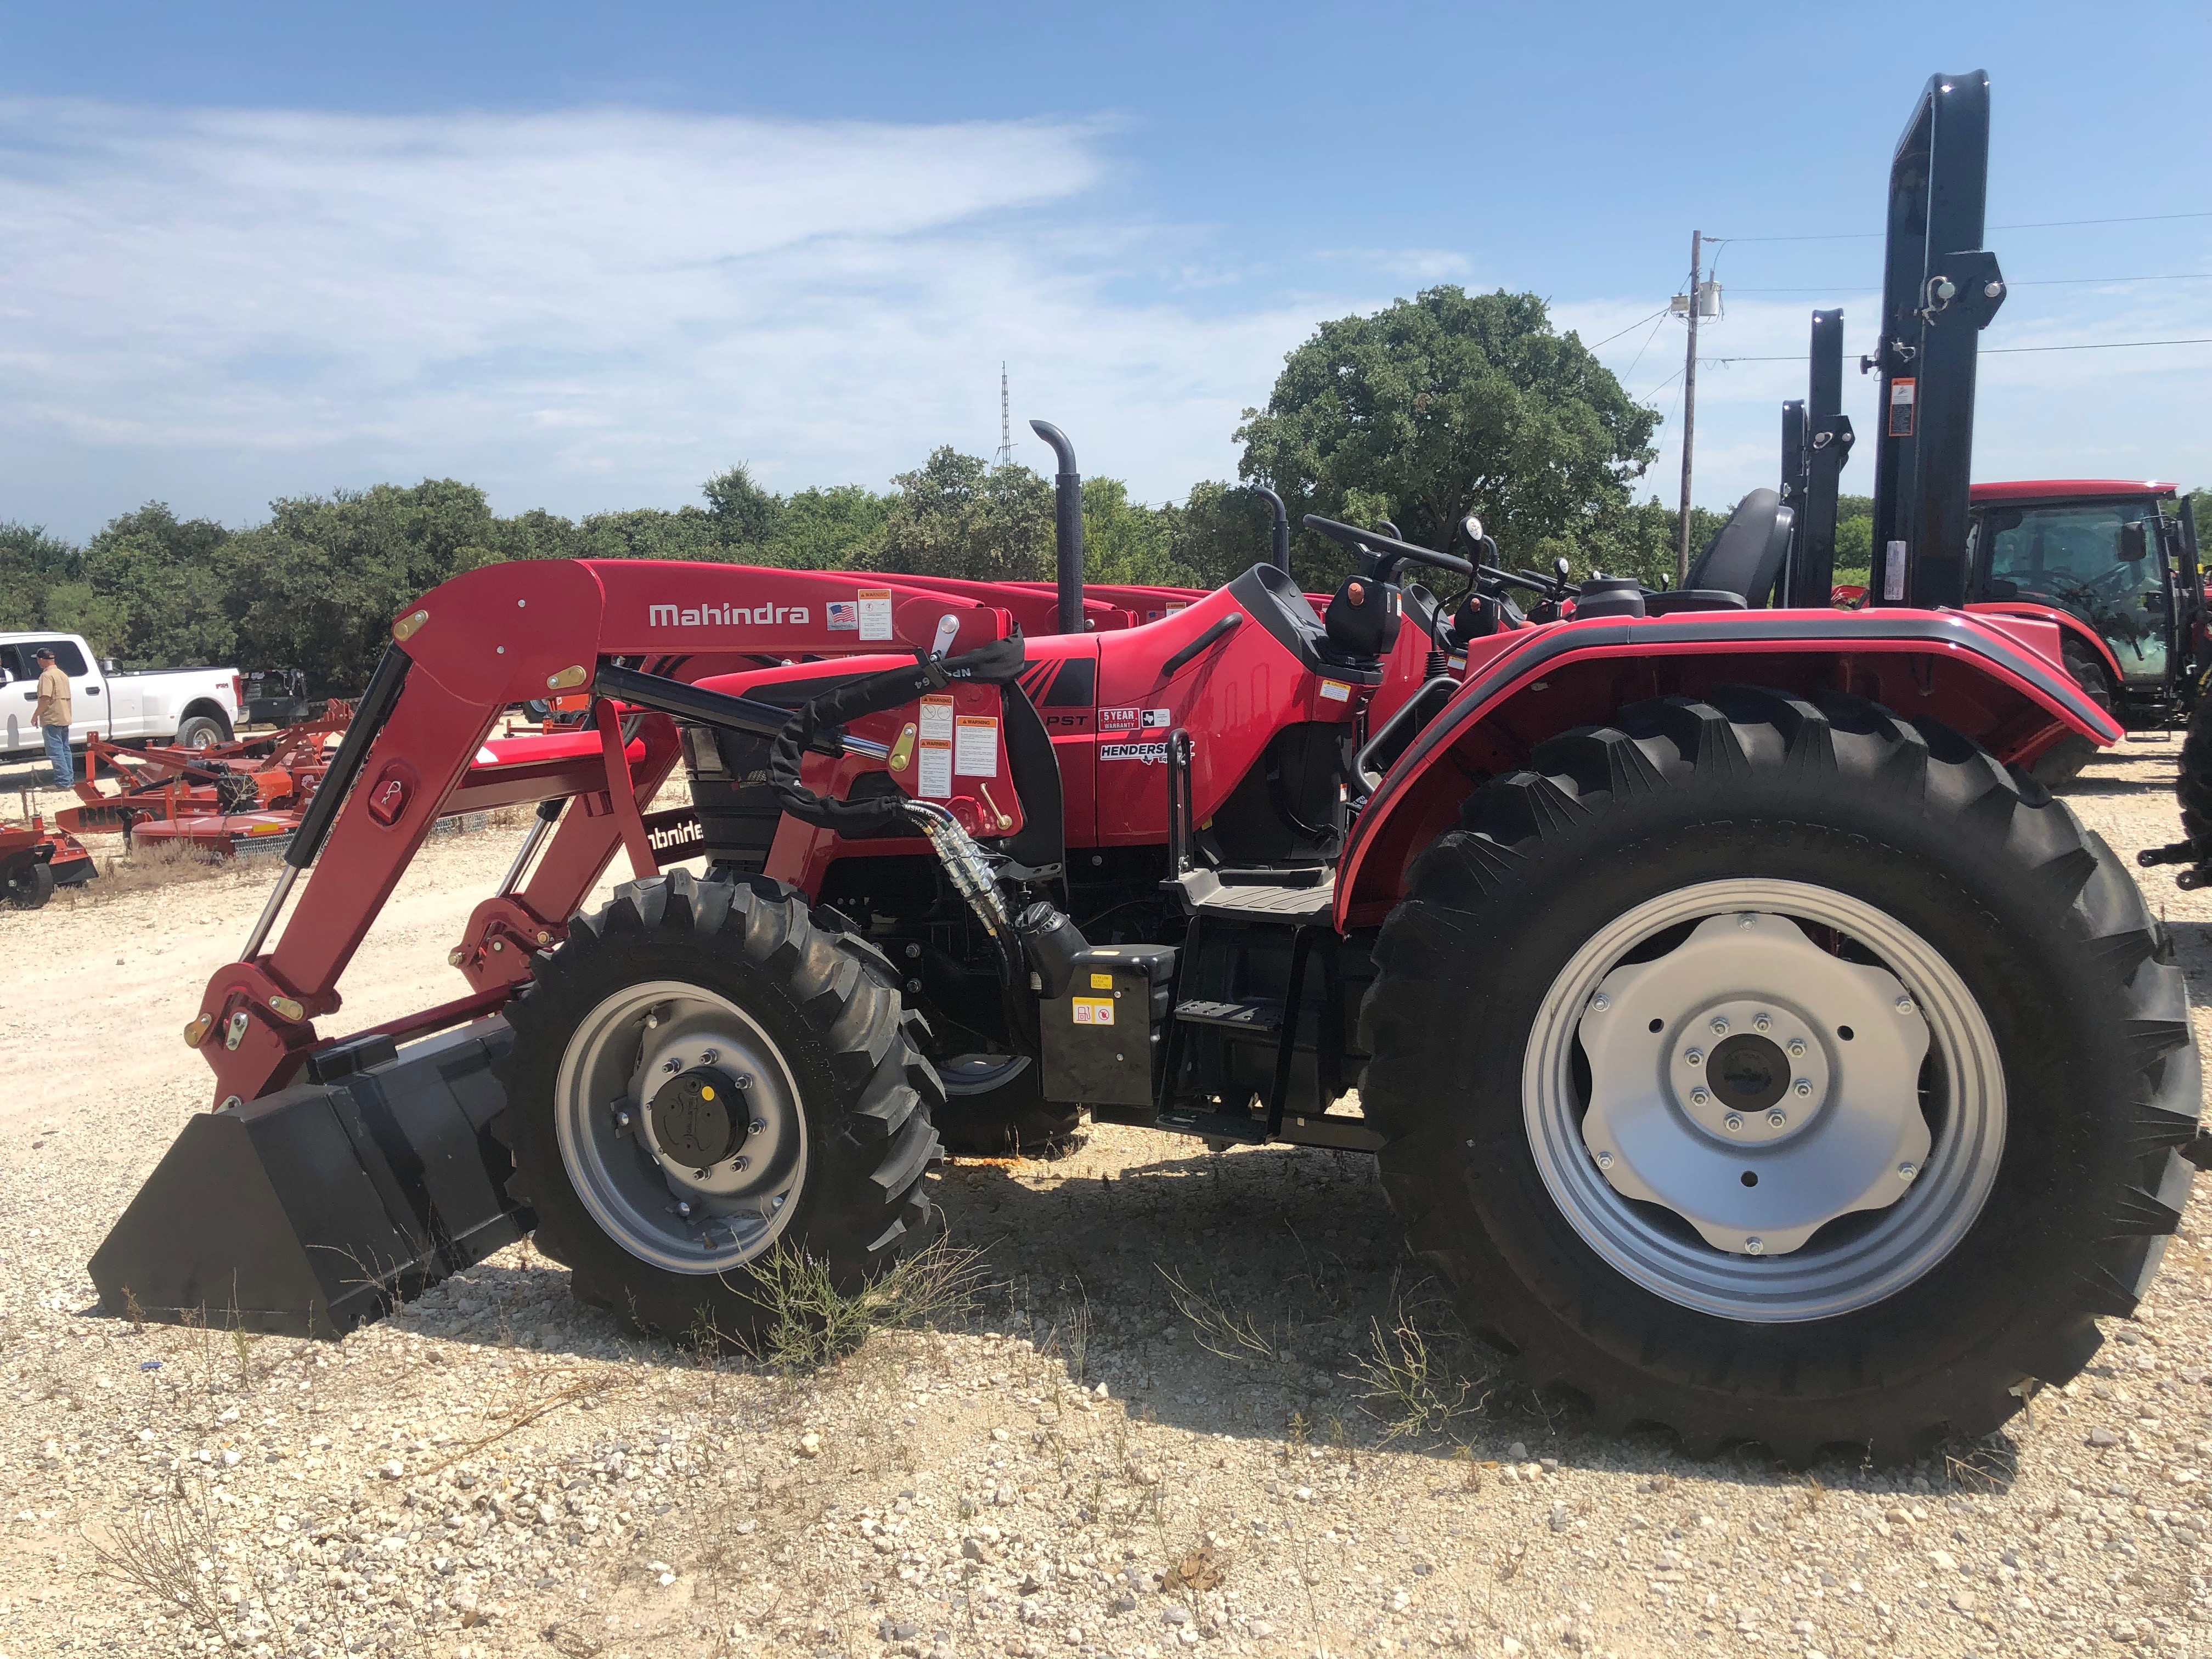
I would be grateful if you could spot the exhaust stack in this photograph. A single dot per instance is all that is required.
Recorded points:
(1279, 538)
(1067, 526)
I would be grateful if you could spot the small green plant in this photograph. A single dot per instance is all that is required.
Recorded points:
(811, 1320)
(1224, 1331)
(1408, 1385)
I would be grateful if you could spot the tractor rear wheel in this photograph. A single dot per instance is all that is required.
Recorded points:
(1838, 1084)
(700, 1077)
(994, 1107)
(2063, 762)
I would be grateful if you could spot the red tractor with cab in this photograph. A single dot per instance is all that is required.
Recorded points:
(1744, 1039)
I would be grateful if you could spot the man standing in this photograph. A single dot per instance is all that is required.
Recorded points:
(53, 717)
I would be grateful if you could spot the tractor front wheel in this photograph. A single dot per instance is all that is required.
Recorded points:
(700, 1077)
(994, 1107)
(2063, 762)
(1836, 1075)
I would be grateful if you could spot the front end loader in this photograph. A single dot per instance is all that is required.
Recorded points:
(1744, 1039)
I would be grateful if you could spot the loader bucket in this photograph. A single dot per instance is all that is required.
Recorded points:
(316, 1208)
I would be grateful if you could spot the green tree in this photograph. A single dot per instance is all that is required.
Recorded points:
(1448, 403)
(825, 529)
(1854, 538)
(156, 589)
(745, 514)
(1221, 530)
(324, 578)
(958, 515)
(1125, 541)
(33, 566)
(653, 532)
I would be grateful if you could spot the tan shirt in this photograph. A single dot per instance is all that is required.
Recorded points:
(53, 697)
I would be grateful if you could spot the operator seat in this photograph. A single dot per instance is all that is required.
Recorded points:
(1740, 564)
(1361, 622)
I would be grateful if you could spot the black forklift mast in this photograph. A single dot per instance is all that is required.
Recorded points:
(1816, 441)
(1939, 290)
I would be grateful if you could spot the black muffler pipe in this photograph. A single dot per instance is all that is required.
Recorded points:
(1279, 538)
(1067, 526)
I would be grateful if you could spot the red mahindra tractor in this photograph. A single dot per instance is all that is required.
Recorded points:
(1744, 1039)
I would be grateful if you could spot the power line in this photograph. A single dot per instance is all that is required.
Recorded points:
(2038, 224)
(1631, 329)
(2031, 282)
(2095, 346)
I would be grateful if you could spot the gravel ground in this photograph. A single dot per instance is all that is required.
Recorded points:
(1080, 1466)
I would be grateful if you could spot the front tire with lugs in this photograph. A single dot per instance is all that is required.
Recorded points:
(679, 1000)
(1978, 995)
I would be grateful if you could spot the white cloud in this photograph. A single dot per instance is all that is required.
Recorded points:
(578, 310)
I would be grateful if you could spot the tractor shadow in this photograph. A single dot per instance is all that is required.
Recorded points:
(1261, 1294)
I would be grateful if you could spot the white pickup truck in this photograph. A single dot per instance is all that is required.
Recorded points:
(193, 707)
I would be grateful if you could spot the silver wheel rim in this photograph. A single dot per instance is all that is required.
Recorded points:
(1863, 1180)
(980, 1074)
(665, 1210)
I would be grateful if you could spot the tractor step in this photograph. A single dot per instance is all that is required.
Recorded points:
(1300, 898)
(1263, 1016)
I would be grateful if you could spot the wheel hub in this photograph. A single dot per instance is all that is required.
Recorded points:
(698, 1118)
(1732, 1105)
(681, 1127)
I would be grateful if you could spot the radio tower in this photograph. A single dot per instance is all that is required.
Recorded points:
(1006, 455)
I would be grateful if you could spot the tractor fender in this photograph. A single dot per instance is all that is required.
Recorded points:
(2064, 620)
(1998, 680)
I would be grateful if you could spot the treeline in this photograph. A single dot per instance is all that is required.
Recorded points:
(1447, 403)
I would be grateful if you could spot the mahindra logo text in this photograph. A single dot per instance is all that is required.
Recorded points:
(673, 616)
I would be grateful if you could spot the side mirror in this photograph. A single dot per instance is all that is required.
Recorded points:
(107, 665)
(2134, 545)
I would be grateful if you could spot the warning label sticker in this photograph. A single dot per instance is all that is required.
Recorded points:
(1902, 395)
(874, 605)
(1335, 691)
(934, 776)
(937, 719)
(1093, 1011)
(1101, 981)
(975, 745)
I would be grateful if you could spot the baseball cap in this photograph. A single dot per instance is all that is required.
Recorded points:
(43, 653)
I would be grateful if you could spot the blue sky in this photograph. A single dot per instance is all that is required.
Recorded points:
(586, 255)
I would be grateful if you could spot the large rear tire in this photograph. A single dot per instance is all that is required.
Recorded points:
(677, 1001)
(2022, 1076)
(2063, 762)
(2192, 789)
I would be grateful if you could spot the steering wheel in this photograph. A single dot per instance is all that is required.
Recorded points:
(1382, 555)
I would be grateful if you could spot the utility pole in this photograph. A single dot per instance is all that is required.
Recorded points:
(1689, 414)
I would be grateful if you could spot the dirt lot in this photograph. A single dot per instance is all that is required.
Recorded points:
(1157, 1429)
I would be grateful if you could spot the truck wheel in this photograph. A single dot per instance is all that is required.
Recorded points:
(700, 1076)
(2063, 763)
(28, 884)
(201, 732)
(1834, 1076)
(995, 1106)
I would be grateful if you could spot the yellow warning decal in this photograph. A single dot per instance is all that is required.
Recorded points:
(1094, 1011)
(1101, 981)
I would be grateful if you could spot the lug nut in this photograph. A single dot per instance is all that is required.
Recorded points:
(742, 1079)
(710, 1057)
(683, 1206)
(671, 1064)
(1906, 1171)
(1720, 1027)
(1699, 1097)
(1803, 1088)
(1905, 1005)
(1605, 1160)
(1600, 1002)
(1761, 1023)
(744, 1162)
(756, 1127)
(1796, 1047)
(913, 986)
(912, 952)
(1695, 1057)
(1754, 1246)
(1732, 1122)
(1776, 1120)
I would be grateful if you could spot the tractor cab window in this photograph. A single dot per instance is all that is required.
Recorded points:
(2076, 557)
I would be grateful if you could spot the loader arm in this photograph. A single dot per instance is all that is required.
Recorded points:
(421, 749)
